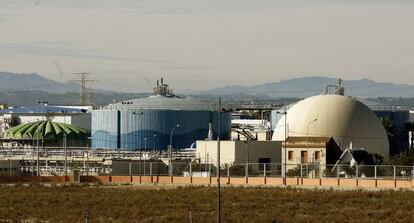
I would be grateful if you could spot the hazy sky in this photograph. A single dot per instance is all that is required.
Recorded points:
(201, 44)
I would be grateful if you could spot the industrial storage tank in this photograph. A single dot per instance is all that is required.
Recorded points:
(148, 123)
(334, 115)
(397, 119)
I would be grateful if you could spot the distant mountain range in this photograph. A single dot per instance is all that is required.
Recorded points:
(17, 82)
(293, 88)
(308, 86)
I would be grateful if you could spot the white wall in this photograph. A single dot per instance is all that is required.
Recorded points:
(235, 151)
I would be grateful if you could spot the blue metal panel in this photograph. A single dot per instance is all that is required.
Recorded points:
(150, 129)
(399, 141)
(104, 129)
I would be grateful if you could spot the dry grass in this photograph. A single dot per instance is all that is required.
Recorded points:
(110, 204)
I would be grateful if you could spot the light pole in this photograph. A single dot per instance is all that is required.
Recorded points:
(307, 145)
(37, 147)
(134, 113)
(205, 155)
(170, 149)
(145, 151)
(285, 159)
(246, 168)
(64, 142)
(38, 131)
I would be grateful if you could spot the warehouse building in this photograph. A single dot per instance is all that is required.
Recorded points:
(151, 123)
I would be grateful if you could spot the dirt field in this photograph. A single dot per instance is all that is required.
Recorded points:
(125, 204)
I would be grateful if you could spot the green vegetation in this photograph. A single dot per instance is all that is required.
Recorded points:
(150, 204)
(403, 159)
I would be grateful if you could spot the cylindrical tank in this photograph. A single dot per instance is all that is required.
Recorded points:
(147, 123)
(399, 118)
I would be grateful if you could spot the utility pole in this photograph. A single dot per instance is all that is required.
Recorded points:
(170, 147)
(218, 160)
(246, 165)
(85, 94)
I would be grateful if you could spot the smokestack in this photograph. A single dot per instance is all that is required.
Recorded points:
(210, 131)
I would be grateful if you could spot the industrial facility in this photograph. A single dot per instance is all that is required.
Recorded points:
(165, 134)
(157, 121)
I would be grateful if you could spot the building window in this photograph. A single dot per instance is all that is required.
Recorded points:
(318, 155)
(290, 155)
(304, 156)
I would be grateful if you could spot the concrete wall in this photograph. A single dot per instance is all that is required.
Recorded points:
(230, 181)
(235, 151)
(9, 167)
(256, 150)
(207, 151)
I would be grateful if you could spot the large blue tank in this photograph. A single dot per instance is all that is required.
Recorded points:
(151, 129)
(147, 123)
(399, 118)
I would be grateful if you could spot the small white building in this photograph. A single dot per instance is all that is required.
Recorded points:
(238, 152)
(314, 152)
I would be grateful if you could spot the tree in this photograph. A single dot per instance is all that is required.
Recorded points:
(389, 130)
(403, 159)
(388, 126)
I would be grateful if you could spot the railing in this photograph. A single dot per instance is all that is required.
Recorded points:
(185, 169)
(264, 174)
(321, 171)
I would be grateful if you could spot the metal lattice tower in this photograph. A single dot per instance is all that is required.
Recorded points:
(85, 93)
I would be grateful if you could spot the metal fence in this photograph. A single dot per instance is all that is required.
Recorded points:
(320, 171)
(181, 168)
(188, 168)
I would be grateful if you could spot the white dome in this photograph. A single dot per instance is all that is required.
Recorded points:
(341, 117)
